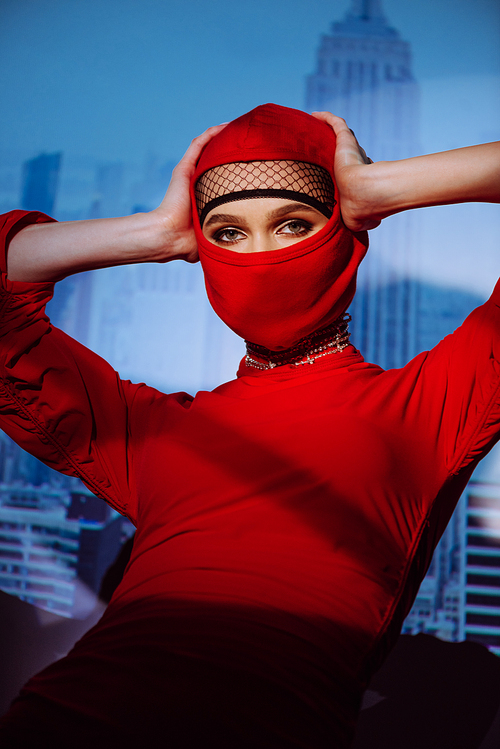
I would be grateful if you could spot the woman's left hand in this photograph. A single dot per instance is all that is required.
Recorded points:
(350, 168)
(369, 192)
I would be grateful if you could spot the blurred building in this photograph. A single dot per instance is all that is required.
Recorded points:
(154, 324)
(108, 197)
(148, 191)
(364, 74)
(438, 608)
(100, 536)
(52, 541)
(10, 179)
(38, 546)
(481, 565)
(40, 182)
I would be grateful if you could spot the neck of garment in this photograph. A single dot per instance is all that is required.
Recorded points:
(330, 340)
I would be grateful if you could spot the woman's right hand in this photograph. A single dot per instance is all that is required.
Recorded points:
(174, 212)
(49, 252)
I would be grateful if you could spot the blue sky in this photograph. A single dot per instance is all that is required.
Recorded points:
(113, 79)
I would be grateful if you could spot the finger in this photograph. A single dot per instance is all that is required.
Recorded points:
(343, 133)
(362, 151)
(345, 136)
(208, 134)
(337, 124)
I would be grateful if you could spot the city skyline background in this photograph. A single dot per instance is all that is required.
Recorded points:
(112, 93)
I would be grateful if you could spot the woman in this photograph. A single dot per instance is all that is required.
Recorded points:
(284, 521)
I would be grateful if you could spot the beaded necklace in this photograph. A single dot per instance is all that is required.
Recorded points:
(330, 340)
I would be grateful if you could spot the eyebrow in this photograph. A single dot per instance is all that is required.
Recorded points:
(228, 218)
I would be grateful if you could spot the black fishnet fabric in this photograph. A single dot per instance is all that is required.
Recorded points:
(246, 179)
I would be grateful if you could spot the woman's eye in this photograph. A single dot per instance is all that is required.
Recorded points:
(228, 236)
(295, 227)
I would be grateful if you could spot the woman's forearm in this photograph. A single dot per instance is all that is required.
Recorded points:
(463, 175)
(49, 252)
(371, 192)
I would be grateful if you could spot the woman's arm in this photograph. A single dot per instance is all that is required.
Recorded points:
(371, 192)
(49, 252)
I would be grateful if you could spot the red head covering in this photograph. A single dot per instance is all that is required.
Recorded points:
(277, 297)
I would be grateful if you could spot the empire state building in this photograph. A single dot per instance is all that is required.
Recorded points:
(364, 74)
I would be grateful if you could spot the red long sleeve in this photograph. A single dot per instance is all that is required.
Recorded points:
(58, 400)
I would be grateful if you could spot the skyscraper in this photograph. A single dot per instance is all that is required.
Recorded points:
(364, 74)
(481, 565)
(40, 181)
(109, 189)
(53, 542)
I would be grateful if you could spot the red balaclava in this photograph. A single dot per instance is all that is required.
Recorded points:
(275, 298)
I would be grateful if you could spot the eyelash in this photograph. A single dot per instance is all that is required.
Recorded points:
(305, 227)
(219, 234)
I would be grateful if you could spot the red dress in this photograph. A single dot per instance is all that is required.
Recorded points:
(284, 523)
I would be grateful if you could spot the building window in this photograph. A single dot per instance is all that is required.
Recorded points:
(487, 581)
(481, 560)
(483, 599)
(486, 620)
(491, 503)
(486, 540)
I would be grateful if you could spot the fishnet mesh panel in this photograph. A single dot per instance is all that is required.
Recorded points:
(244, 176)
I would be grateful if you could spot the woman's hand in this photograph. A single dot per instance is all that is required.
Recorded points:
(350, 168)
(174, 212)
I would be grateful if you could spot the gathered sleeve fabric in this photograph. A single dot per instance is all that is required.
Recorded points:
(58, 400)
(457, 389)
